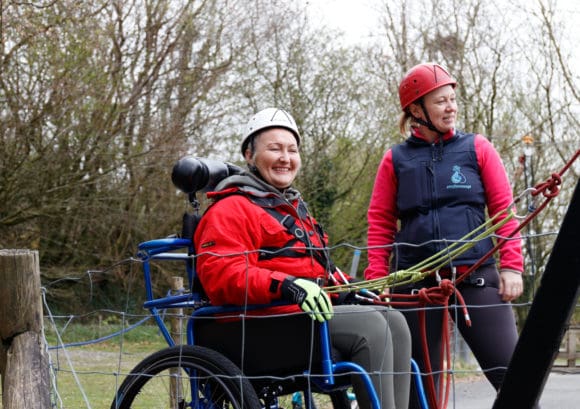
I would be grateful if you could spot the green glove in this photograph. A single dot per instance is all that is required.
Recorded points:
(309, 296)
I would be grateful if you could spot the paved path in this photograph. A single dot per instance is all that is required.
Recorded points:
(562, 391)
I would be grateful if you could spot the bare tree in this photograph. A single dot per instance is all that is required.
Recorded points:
(98, 101)
(550, 110)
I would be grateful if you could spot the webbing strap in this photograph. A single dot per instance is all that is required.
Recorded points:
(289, 222)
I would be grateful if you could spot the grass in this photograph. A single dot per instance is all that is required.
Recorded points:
(88, 375)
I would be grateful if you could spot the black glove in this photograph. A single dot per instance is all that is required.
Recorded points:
(354, 295)
(309, 296)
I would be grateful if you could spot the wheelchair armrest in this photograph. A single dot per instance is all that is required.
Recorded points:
(152, 247)
(212, 310)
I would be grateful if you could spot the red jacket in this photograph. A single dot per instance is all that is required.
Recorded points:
(230, 236)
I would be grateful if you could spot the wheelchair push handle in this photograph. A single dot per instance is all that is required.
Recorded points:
(191, 174)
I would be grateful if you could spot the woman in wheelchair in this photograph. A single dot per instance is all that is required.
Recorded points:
(258, 244)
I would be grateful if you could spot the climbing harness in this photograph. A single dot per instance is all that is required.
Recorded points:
(289, 222)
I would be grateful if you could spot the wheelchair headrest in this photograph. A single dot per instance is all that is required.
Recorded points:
(192, 174)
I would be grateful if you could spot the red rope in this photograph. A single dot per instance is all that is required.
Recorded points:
(549, 189)
(434, 296)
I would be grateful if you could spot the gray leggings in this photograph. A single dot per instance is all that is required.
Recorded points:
(378, 339)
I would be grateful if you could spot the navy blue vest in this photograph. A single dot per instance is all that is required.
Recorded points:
(440, 196)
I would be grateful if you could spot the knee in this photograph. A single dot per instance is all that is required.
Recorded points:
(378, 330)
(399, 328)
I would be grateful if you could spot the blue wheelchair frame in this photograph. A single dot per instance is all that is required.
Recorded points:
(165, 249)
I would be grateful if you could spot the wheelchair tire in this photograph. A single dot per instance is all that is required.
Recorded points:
(204, 378)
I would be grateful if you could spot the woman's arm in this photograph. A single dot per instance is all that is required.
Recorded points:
(227, 242)
(382, 219)
(499, 197)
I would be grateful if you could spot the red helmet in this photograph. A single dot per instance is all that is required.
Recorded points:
(422, 79)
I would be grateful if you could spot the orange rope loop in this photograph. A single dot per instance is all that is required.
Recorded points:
(437, 295)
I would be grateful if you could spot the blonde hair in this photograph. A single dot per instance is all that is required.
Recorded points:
(405, 120)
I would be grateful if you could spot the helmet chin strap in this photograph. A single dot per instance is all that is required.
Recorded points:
(427, 122)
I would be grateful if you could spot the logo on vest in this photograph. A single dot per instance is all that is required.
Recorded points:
(458, 179)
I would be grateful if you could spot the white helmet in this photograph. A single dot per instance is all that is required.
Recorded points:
(269, 118)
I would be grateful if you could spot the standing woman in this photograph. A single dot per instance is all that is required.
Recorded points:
(434, 188)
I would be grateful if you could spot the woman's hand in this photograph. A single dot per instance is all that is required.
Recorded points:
(511, 284)
(309, 296)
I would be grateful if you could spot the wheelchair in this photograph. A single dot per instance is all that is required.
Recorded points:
(216, 368)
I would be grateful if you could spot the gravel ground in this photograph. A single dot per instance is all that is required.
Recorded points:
(562, 391)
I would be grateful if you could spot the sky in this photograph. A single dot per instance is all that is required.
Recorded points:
(355, 17)
(351, 16)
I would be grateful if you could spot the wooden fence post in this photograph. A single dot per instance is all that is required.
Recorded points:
(177, 313)
(571, 349)
(175, 390)
(23, 357)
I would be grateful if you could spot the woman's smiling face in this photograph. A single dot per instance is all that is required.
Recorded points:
(276, 156)
(441, 105)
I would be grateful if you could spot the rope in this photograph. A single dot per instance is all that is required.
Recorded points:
(433, 263)
(101, 339)
(434, 296)
(549, 189)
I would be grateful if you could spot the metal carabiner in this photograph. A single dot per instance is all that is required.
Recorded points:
(479, 282)
(437, 277)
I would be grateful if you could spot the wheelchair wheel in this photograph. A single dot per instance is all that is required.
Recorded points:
(186, 377)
